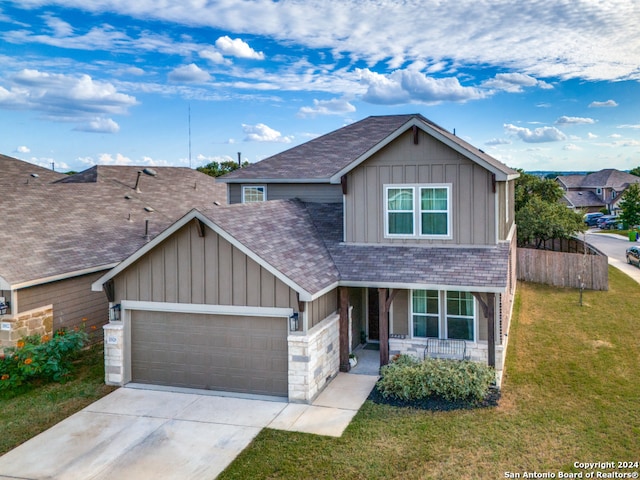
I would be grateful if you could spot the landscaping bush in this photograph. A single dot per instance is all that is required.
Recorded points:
(409, 379)
(40, 358)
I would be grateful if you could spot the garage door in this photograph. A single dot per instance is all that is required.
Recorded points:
(215, 352)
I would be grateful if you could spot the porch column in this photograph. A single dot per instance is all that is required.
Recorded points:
(345, 366)
(383, 326)
(487, 302)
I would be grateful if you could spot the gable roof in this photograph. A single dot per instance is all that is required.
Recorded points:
(606, 178)
(58, 230)
(325, 159)
(278, 235)
(301, 244)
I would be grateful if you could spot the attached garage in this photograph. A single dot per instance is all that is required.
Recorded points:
(234, 353)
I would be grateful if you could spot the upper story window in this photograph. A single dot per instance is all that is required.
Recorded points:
(254, 194)
(418, 211)
(598, 191)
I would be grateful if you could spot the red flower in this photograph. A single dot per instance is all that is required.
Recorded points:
(5, 376)
(28, 361)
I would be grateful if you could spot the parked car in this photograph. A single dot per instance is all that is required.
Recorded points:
(610, 224)
(633, 256)
(591, 218)
(603, 219)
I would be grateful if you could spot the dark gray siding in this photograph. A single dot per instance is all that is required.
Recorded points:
(73, 301)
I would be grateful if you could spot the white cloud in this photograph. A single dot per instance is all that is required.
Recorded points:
(213, 56)
(262, 133)
(564, 120)
(120, 159)
(66, 98)
(23, 149)
(591, 136)
(541, 39)
(237, 48)
(608, 103)
(498, 141)
(334, 106)
(189, 74)
(615, 135)
(99, 125)
(409, 86)
(539, 135)
(571, 147)
(633, 126)
(514, 82)
(59, 27)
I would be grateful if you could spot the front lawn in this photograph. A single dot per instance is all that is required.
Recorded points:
(571, 394)
(35, 410)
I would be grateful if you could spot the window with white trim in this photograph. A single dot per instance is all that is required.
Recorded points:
(460, 315)
(252, 193)
(425, 313)
(418, 210)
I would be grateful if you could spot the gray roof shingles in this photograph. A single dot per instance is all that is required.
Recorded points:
(52, 229)
(304, 242)
(321, 158)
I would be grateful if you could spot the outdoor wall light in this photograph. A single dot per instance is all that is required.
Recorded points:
(293, 322)
(114, 313)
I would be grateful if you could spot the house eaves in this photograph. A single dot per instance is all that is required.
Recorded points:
(195, 214)
(502, 174)
(55, 278)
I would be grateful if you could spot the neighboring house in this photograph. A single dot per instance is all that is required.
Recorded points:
(595, 191)
(59, 233)
(390, 231)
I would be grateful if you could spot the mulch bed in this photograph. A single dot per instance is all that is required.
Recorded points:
(437, 404)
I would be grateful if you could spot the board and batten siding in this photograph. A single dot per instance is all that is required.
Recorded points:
(430, 161)
(186, 268)
(506, 208)
(72, 301)
(307, 192)
(322, 307)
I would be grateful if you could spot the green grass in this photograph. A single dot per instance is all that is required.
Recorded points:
(32, 411)
(570, 393)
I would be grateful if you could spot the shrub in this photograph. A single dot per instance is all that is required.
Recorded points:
(40, 358)
(409, 379)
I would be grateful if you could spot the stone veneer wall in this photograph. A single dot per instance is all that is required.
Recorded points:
(38, 321)
(114, 353)
(314, 358)
(477, 352)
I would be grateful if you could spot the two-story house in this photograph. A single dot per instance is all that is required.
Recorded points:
(390, 230)
(595, 191)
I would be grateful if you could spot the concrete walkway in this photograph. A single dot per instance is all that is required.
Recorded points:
(157, 434)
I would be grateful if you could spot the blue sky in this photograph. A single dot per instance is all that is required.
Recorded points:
(540, 85)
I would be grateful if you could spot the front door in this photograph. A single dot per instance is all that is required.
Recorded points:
(373, 314)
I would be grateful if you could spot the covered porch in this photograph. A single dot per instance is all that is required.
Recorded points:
(423, 323)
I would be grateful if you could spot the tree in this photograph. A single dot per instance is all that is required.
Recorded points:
(630, 205)
(216, 169)
(635, 171)
(539, 214)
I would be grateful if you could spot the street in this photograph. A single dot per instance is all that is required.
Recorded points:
(614, 246)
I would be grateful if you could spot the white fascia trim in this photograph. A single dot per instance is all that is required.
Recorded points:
(63, 276)
(206, 309)
(500, 175)
(4, 285)
(97, 285)
(322, 292)
(423, 286)
(274, 180)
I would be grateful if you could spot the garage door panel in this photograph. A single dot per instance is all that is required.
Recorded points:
(233, 353)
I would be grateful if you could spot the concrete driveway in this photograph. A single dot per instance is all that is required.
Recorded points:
(141, 434)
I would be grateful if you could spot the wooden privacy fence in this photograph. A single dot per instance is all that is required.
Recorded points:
(563, 269)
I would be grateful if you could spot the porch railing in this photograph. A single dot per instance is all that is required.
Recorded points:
(446, 348)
